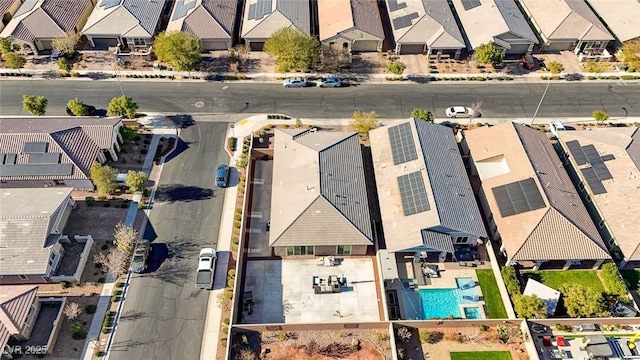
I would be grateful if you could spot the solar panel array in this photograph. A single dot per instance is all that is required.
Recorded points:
(258, 10)
(394, 5)
(35, 147)
(597, 172)
(403, 148)
(518, 197)
(48, 158)
(404, 21)
(182, 9)
(413, 193)
(10, 159)
(36, 170)
(470, 4)
(575, 149)
(108, 4)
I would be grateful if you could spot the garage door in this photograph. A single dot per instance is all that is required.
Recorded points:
(518, 49)
(256, 46)
(365, 45)
(44, 44)
(105, 43)
(214, 45)
(412, 49)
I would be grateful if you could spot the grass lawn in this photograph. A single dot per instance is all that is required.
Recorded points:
(481, 355)
(492, 298)
(555, 279)
(632, 276)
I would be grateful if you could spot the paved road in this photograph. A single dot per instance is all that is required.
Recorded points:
(574, 99)
(163, 316)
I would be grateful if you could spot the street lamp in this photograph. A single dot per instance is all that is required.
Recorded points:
(541, 100)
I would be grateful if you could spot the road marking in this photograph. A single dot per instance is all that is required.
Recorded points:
(199, 104)
(243, 121)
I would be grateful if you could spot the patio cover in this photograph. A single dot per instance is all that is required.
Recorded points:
(549, 295)
(598, 346)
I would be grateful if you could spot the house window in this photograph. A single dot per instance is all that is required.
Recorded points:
(299, 250)
(139, 42)
(601, 224)
(589, 198)
(612, 241)
(51, 258)
(581, 186)
(23, 277)
(344, 250)
(462, 239)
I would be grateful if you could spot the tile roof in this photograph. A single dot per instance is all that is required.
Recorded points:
(621, 16)
(284, 13)
(562, 229)
(6, 4)
(25, 226)
(77, 139)
(46, 19)
(443, 172)
(15, 303)
(566, 20)
(326, 202)
(339, 16)
(208, 19)
(128, 18)
(494, 19)
(622, 196)
(435, 24)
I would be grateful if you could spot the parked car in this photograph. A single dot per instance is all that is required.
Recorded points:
(140, 256)
(459, 111)
(222, 175)
(294, 82)
(329, 82)
(528, 62)
(206, 268)
(555, 127)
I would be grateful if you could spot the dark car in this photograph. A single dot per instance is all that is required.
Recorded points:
(91, 111)
(528, 62)
(140, 256)
(222, 175)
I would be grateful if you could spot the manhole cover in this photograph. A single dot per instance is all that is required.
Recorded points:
(199, 104)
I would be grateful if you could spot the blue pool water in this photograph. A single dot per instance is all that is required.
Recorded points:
(472, 313)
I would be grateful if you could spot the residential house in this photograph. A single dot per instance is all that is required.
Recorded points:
(19, 308)
(425, 27)
(605, 166)
(350, 25)
(262, 18)
(319, 203)
(497, 21)
(531, 206)
(125, 24)
(568, 25)
(7, 9)
(37, 22)
(620, 17)
(49, 151)
(31, 224)
(212, 21)
(426, 200)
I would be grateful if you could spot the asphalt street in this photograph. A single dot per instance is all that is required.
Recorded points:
(500, 100)
(163, 316)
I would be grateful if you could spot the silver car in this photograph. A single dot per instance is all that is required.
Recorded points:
(329, 82)
(294, 82)
(140, 256)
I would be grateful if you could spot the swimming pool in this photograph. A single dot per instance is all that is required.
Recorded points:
(444, 303)
(472, 313)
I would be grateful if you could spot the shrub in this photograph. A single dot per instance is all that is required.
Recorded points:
(104, 331)
(425, 336)
(64, 284)
(144, 151)
(107, 204)
(236, 224)
(228, 294)
(223, 342)
(226, 321)
(90, 309)
(235, 240)
(231, 273)
(114, 298)
(590, 77)
(612, 280)
(482, 327)
(231, 282)
(76, 327)
(628, 77)
(89, 201)
(511, 280)
(232, 143)
(79, 335)
(104, 247)
(282, 335)
(119, 284)
(225, 330)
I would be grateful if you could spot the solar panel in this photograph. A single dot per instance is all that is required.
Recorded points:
(182, 8)
(36, 169)
(258, 10)
(394, 5)
(404, 21)
(10, 159)
(48, 158)
(602, 171)
(26, 7)
(108, 4)
(575, 149)
(593, 157)
(403, 148)
(413, 193)
(470, 4)
(594, 183)
(518, 197)
(35, 147)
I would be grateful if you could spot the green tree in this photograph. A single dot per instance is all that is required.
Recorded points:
(179, 49)
(293, 50)
(555, 67)
(396, 67)
(136, 180)
(77, 107)
(364, 122)
(422, 114)
(612, 280)
(511, 280)
(13, 60)
(122, 106)
(530, 307)
(5, 46)
(35, 105)
(630, 55)
(103, 177)
(66, 45)
(489, 54)
(125, 238)
(582, 301)
(600, 116)
(63, 64)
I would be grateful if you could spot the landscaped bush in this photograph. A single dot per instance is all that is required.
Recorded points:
(612, 280)
(114, 298)
(89, 201)
(511, 280)
(79, 335)
(64, 284)
(104, 331)
(236, 224)
(629, 77)
(235, 240)
(232, 143)
(231, 273)
(90, 309)
(591, 77)
(226, 321)
(118, 284)
(107, 204)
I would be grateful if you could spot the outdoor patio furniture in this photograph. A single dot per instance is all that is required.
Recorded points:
(326, 261)
(472, 298)
(468, 285)
(560, 341)
(546, 340)
(247, 300)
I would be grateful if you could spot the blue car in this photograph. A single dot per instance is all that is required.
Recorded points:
(222, 175)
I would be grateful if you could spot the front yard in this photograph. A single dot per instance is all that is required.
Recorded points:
(481, 355)
(492, 299)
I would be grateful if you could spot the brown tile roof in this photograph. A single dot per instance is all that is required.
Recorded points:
(15, 302)
(209, 19)
(5, 5)
(337, 16)
(562, 229)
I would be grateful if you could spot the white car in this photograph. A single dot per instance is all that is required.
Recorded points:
(294, 82)
(329, 82)
(459, 111)
(555, 127)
